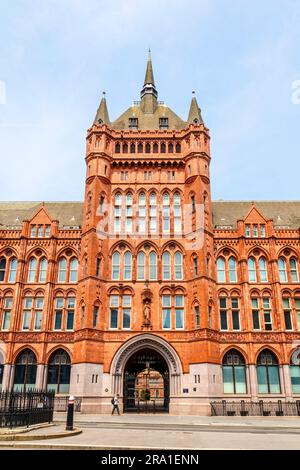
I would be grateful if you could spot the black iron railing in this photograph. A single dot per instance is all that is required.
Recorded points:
(255, 408)
(61, 403)
(153, 405)
(25, 408)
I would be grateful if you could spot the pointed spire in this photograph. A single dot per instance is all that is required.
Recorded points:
(149, 77)
(102, 116)
(149, 92)
(195, 112)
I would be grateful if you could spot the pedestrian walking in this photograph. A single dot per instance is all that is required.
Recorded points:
(115, 403)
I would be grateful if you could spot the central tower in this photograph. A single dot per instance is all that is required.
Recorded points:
(147, 280)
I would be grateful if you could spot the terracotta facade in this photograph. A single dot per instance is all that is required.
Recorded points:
(160, 267)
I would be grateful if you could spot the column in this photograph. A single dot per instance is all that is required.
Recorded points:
(287, 381)
(253, 381)
(39, 377)
(6, 377)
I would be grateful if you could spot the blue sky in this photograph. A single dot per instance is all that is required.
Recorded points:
(241, 56)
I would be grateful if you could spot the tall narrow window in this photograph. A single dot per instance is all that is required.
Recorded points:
(152, 266)
(221, 270)
(232, 269)
(141, 265)
(287, 311)
(95, 316)
(166, 266)
(235, 312)
(294, 270)
(32, 270)
(126, 314)
(62, 270)
(153, 214)
(98, 266)
(282, 270)
(117, 212)
(223, 313)
(179, 312)
(70, 313)
(47, 231)
(267, 313)
(263, 270)
(197, 316)
(28, 303)
(262, 231)
(38, 312)
(127, 265)
(251, 270)
(142, 213)
(73, 270)
(128, 223)
(178, 265)
(43, 270)
(255, 313)
(32, 231)
(12, 270)
(195, 266)
(166, 213)
(114, 308)
(166, 312)
(2, 269)
(58, 313)
(248, 231)
(6, 313)
(177, 213)
(40, 231)
(193, 203)
(116, 266)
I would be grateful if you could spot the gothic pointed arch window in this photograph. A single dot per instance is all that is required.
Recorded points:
(234, 372)
(295, 372)
(166, 213)
(232, 273)
(59, 372)
(140, 147)
(116, 266)
(268, 372)
(170, 147)
(142, 213)
(148, 147)
(73, 270)
(294, 270)
(162, 147)
(155, 147)
(62, 269)
(152, 266)
(13, 264)
(117, 212)
(141, 265)
(2, 269)
(221, 273)
(252, 270)
(132, 147)
(127, 266)
(262, 266)
(43, 270)
(25, 371)
(117, 147)
(153, 213)
(178, 266)
(166, 266)
(128, 214)
(282, 270)
(177, 213)
(32, 269)
(178, 147)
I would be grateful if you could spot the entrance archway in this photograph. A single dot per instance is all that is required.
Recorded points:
(146, 382)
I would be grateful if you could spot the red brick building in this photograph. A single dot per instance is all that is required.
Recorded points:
(149, 274)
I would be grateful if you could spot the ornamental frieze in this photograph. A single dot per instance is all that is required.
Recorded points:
(27, 337)
(60, 337)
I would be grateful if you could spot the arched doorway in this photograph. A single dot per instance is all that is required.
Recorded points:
(59, 371)
(25, 371)
(146, 382)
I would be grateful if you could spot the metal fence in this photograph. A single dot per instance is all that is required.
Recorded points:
(25, 408)
(61, 404)
(255, 408)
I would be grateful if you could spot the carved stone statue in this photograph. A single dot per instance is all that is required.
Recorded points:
(147, 312)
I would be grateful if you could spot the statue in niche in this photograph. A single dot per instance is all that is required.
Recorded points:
(147, 312)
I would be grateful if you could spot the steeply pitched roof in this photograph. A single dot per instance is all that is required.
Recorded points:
(12, 214)
(102, 116)
(195, 112)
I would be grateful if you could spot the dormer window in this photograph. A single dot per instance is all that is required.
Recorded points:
(133, 123)
(163, 123)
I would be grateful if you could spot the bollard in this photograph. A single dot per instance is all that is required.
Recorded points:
(70, 414)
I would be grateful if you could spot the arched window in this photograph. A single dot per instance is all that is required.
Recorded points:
(282, 270)
(234, 374)
(170, 147)
(116, 266)
(294, 270)
(2, 269)
(166, 213)
(140, 148)
(32, 270)
(117, 148)
(268, 373)
(251, 270)
(128, 220)
(232, 269)
(148, 148)
(195, 266)
(117, 212)
(177, 213)
(127, 266)
(132, 148)
(153, 213)
(43, 270)
(178, 266)
(155, 147)
(142, 213)
(73, 270)
(59, 371)
(25, 371)
(295, 372)
(152, 266)
(166, 266)
(178, 148)
(221, 274)
(162, 147)
(125, 148)
(263, 269)
(141, 265)
(12, 270)
(62, 270)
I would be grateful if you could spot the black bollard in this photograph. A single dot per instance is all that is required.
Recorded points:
(70, 414)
